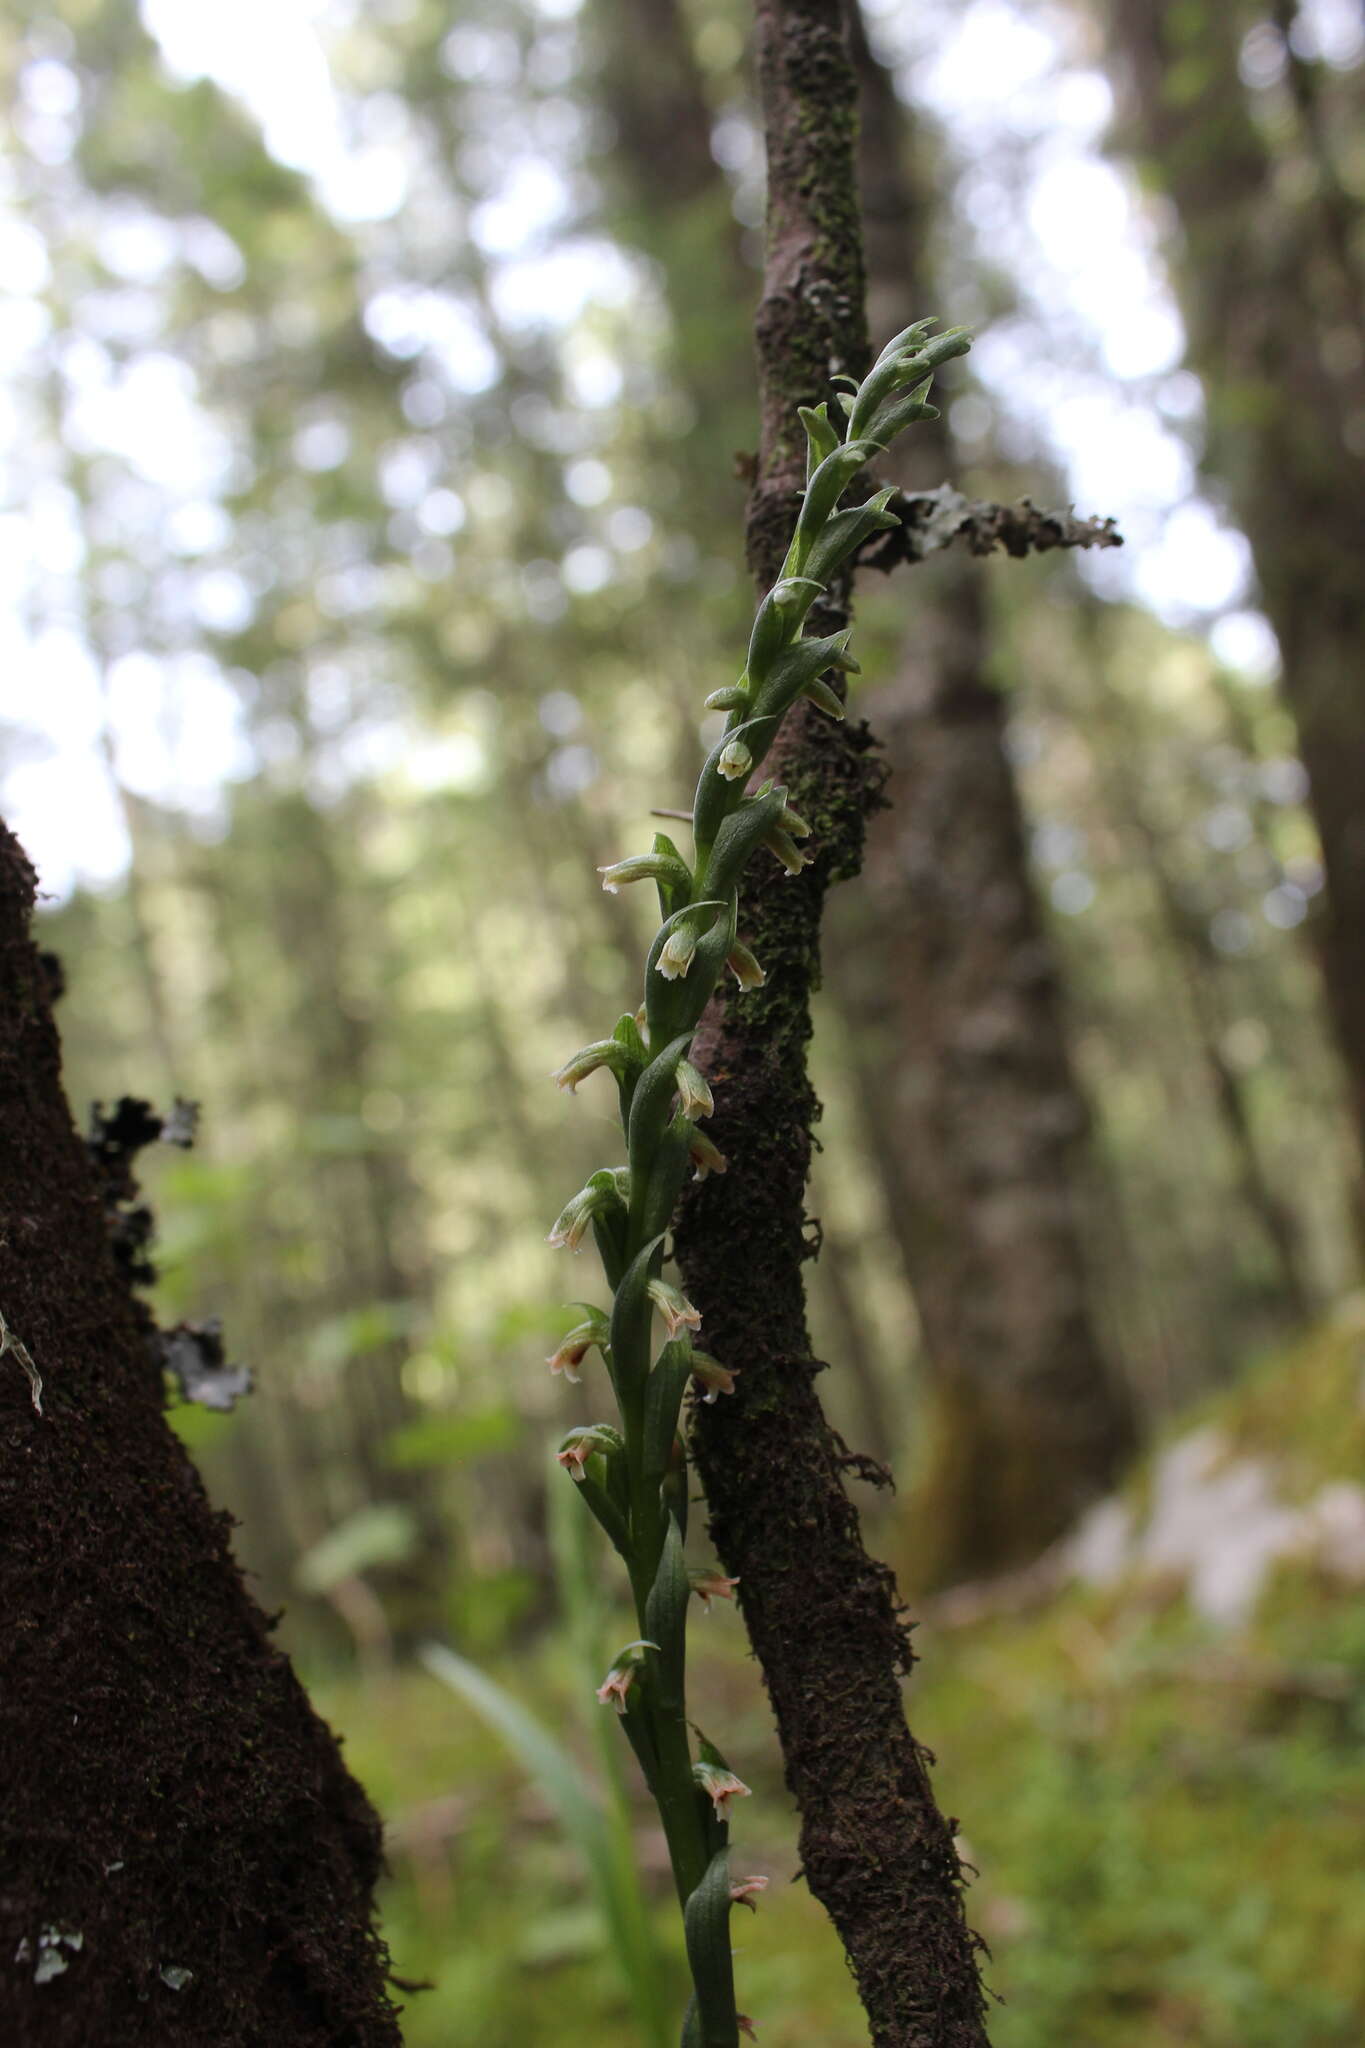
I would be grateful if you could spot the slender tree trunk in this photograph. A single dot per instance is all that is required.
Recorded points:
(822, 1615)
(1198, 965)
(186, 1859)
(963, 1065)
(1271, 293)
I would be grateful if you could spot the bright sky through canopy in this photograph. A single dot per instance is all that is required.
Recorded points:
(1000, 79)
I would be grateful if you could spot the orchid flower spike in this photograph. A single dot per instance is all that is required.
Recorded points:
(635, 1482)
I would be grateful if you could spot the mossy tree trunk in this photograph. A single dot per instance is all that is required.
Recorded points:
(822, 1615)
(186, 1860)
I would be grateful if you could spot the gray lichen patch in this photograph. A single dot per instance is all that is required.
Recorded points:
(20, 1354)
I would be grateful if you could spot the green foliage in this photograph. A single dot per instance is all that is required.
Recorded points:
(380, 1533)
(1164, 1813)
(448, 1440)
(597, 1834)
(1165, 1820)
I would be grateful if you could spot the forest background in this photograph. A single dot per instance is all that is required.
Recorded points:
(379, 393)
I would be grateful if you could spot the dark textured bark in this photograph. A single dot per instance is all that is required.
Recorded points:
(822, 1615)
(945, 966)
(1271, 292)
(170, 1797)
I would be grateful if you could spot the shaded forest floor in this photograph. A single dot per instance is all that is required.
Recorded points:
(1165, 1806)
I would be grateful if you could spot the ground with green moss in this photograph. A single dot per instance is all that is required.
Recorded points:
(1166, 1816)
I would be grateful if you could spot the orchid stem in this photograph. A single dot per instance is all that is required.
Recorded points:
(633, 1478)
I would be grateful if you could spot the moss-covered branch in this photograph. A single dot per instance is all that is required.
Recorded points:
(822, 1614)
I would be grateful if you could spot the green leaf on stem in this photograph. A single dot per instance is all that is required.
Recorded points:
(654, 1092)
(847, 531)
(666, 1619)
(632, 1308)
(822, 438)
(823, 493)
(677, 1147)
(664, 1390)
(778, 620)
(739, 835)
(706, 1922)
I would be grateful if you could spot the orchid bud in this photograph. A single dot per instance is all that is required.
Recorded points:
(719, 1785)
(676, 1310)
(604, 1052)
(786, 850)
(715, 1377)
(602, 1194)
(676, 957)
(571, 1225)
(574, 1346)
(644, 867)
(735, 761)
(624, 1671)
(597, 1439)
(711, 1585)
(745, 967)
(706, 1156)
(734, 697)
(572, 1350)
(746, 1890)
(823, 698)
(694, 1092)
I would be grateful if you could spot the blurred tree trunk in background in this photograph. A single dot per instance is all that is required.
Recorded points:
(1271, 278)
(182, 1844)
(971, 1106)
(1186, 921)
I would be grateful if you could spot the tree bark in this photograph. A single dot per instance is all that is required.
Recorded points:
(1272, 299)
(185, 1858)
(946, 968)
(822, 1615)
